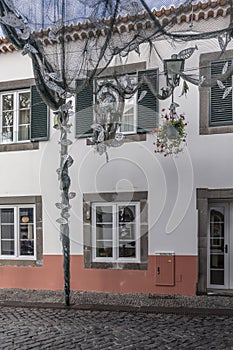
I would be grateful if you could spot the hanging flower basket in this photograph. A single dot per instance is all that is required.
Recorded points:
(170, 136)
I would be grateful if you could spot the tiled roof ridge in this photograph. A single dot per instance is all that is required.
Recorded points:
(183, 13)
(6, 46)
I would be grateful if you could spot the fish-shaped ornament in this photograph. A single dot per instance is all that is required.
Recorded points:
(12, 20)
(223, 87)
(225, 67)
(186, 53)
(223, 41)
(10, 4)
(28, 48)
(53, 86)
(220, 84)
(54, 76)
(25, 33)
(71, 195)
(185, 89)
(61, 221)
(226, 92)
(201, 81)
(142, 95)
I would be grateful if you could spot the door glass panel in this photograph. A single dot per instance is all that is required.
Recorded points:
(217, 244)
(217, 277)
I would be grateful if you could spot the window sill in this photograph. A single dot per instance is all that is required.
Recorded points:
(210, 130)
(118, 266)
(17, 262)
(12, 147)
(127, 138)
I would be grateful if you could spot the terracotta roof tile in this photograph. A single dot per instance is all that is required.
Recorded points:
(181, 14)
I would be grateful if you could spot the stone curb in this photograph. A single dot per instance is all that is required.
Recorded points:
(121, 308)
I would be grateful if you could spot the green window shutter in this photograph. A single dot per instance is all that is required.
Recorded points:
(84, 109)
(220, 109)
(39, 117)
(148, 106)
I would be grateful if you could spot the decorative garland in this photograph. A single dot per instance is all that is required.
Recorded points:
(170, 136)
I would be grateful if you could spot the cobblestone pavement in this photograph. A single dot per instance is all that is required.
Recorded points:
(35, 328)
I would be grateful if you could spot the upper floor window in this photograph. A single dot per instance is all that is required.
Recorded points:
(23, 116)
(139, 116)
(220, 106)
(17, 232)
(15, 116)
(216, 104)
(129, 117)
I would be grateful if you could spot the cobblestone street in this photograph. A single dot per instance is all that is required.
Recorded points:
(35, 328)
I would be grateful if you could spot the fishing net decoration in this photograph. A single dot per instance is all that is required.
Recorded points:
(59, 63)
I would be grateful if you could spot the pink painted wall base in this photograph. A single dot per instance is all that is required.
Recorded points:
(50, 277)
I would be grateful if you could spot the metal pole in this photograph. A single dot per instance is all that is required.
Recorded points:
(65, 162)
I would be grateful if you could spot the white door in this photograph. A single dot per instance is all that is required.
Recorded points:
(220, 241)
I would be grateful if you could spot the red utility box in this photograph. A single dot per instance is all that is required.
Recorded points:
(165, 269)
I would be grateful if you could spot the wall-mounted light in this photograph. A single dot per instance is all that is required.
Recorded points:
(172, 68)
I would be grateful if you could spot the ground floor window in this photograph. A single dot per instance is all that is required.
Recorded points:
(17, 231)
(116, 230)
(21, 230)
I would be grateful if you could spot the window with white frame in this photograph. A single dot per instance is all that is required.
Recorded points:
(15, 116)
(115, 232)
(17, 232)
(129, 117)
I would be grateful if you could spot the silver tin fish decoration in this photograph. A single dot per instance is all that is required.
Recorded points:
(186, 53)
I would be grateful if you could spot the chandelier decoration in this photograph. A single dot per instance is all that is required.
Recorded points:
(109, 103)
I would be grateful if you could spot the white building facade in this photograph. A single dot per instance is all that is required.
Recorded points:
(141, 222)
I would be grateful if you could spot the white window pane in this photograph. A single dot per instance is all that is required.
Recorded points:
(26, 246)
(128, 118)
(24, 116)
(7, 216)
(104, 214)
(7, 119)
(127, 214)
(24, 133)
(127, 231)
(26, 219)
(24, 100)
(8, 102)
(103, 232)
(127, 249)
(104, 250)
(26, 215)
(7, 247)
(7, 231)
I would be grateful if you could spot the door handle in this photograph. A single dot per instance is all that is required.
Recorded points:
(158, 270)
(226, 248)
